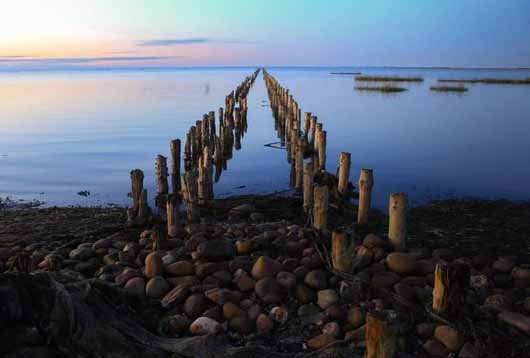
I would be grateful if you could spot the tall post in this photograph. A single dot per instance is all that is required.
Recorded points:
(321, 145)
(365, 184)
(189, 193)
(161, 175)
(397, 226)
(175, 166)
(299, 182)
(344, 172)
(320, 207)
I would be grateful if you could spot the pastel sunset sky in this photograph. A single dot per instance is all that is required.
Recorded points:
(165, 33)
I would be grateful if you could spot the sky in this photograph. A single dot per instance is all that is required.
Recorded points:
(38, 34)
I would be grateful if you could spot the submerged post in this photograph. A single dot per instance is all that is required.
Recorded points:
(365, 184)
(397, 226)
(320, 207)
(344, 172)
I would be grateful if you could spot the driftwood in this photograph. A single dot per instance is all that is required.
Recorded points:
(92, 318)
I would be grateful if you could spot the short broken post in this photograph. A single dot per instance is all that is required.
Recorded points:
(341, 252)
(397, 226)
(451, 282)
(381, 335)
(365, 185)
(137, 185)
(344, 173)
(172, 215)
(320, 207)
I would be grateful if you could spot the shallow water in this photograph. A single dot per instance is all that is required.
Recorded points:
(65, 132)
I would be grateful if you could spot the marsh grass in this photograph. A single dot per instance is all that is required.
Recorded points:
(384, 89)
(495, 81)
(449, 88)
(388, 79)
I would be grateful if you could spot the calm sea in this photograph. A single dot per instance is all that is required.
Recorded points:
(66, 132)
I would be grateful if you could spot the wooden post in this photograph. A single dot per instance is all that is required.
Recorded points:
(161, 179)
(175, 166)
(137, 185)
(381, 335)
(451, 282)
(321, 145)
(307, 124)
(299, 179)
(143, 207)
(172, 215)
(308, 187)
(320, 207)
(189, 193)
(341, 252)
(344, 172)
(397, 226)
(365, 184)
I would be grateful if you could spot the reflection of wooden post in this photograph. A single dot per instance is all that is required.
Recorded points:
(321, 145)
(450, 287)
(308, 187)
(175, 166)
(172, 215)
(161, 175)
(341, 257)
(381, 336)
(137, 185)
(299, 164)
(397, 226)
(365, 184)
(344, 172)
(320, 207)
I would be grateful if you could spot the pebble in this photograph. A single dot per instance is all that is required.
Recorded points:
(223, 295)
(286, 279)
(216, 250)
(264, 324)
(516, 320)
(231, 310)
(331, 329)
(305, 294)
(205, 325)
(320, 341)
(327, 298)
(243, 281)
(153, 265)
(435, 348)
(279, 314)
(316, 279)
(195, 305)
(449, 337)
(180, 268)
(356, 317)
(136, 285)
(265, 267)
(242, 325)
(156, 287)
(402, 263)
(425, 330)
(175, 296)
(268, 290)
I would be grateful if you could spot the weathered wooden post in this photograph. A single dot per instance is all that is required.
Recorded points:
(321, 145)
(161, 178)
(308, 187)
(299, 182)
(381, 335)
(320, 207)
(175, 166)
(344, 172)
(365, 184)
(137, 185)
(451, 282)
(341, 251)
(307, 124)
(143, 207)
(397, 226)
(189, 193)
(172, 215)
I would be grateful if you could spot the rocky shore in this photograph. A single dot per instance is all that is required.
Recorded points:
(253, 280)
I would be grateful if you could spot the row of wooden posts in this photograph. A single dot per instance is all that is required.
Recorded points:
(205, 148)
(309, 141)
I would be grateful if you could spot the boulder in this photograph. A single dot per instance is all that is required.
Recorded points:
(327, 298)
(231, 311)
(286, 279)
(402, 263)
(195, 305)
(175, 296)
(449, 337)
(316, 279)
(216, 250)
(154, 265)
(180, 268)
(265, 267)
(320, 341)
(268, 290)
(264, 324)
(156, 287)
(222, 295)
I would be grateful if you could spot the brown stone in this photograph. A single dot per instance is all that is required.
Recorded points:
(286, 279)
(231, 310)
(242, 325)
(449, 337)
(156, 287)
(175, 296)
(136, 286)
(425, 330)
(320, 341)
(356, 317)
(154, 265)
(372, 241)
(435, 348)
(223, 295)
(264, 324)
(402, 263)
(268, 290)
(516, 320)
(195, 305)
(503, 264)
(265, 267)
(180, 268)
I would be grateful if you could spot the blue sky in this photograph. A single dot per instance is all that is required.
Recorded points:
(121, 33)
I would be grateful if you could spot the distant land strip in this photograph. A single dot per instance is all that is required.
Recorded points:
(384, 89)
(507, 81)
(389, 79)
(345, 73)
(448, 88)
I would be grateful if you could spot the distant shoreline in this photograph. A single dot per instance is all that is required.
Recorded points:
(170, 68)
